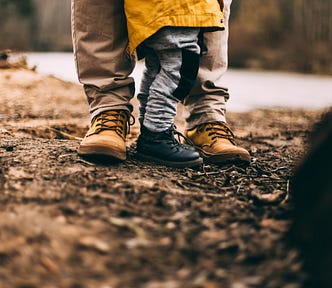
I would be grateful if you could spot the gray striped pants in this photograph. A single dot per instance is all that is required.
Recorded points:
(171, 65)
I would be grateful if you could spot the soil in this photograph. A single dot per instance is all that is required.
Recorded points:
(69, 222)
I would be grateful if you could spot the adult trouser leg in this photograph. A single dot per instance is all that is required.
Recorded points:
(100, 41)
(102, 57)
(206, 102)
(206, 123)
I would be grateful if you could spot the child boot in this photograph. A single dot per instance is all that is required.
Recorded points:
(163, 148)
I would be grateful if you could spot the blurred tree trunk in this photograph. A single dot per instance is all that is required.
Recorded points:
(16, 24)
(282, 34)
(35, 25)
(312, 28)
(53, 18)
(313, 19)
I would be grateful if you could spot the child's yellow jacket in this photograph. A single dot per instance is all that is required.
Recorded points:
(145, 17)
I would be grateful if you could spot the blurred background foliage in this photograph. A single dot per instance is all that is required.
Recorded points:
(287, 35)
(35, 25)
(291, 35)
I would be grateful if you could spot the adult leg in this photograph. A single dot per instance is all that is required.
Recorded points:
(206, 104)
(102, 57)
(206, 101)
(103, 64)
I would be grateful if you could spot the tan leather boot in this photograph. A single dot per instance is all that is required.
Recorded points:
(106, 136)
(215, 142)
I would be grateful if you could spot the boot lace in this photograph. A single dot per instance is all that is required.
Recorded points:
(219, 130)
(180, 137)
(118, 121)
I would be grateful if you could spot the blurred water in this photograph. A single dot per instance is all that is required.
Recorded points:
(248, 89)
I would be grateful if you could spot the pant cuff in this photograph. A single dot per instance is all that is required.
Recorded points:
(203, 119)
(128, 108)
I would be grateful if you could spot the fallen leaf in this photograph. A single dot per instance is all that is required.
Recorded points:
(277, 225)
(94, 243)
(269, 198)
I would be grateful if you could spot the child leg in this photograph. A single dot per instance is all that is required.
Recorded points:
(177, 51)
(152, 68)
(177, 61)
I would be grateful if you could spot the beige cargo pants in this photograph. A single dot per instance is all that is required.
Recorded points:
(103, 62)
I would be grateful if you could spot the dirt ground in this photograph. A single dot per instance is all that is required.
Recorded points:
(67, 222)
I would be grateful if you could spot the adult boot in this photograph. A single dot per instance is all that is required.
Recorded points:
(106, 136)
(215, 143)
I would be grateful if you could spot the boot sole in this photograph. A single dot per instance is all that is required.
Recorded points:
(100, 151)
(186, 164)
(222, 159)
